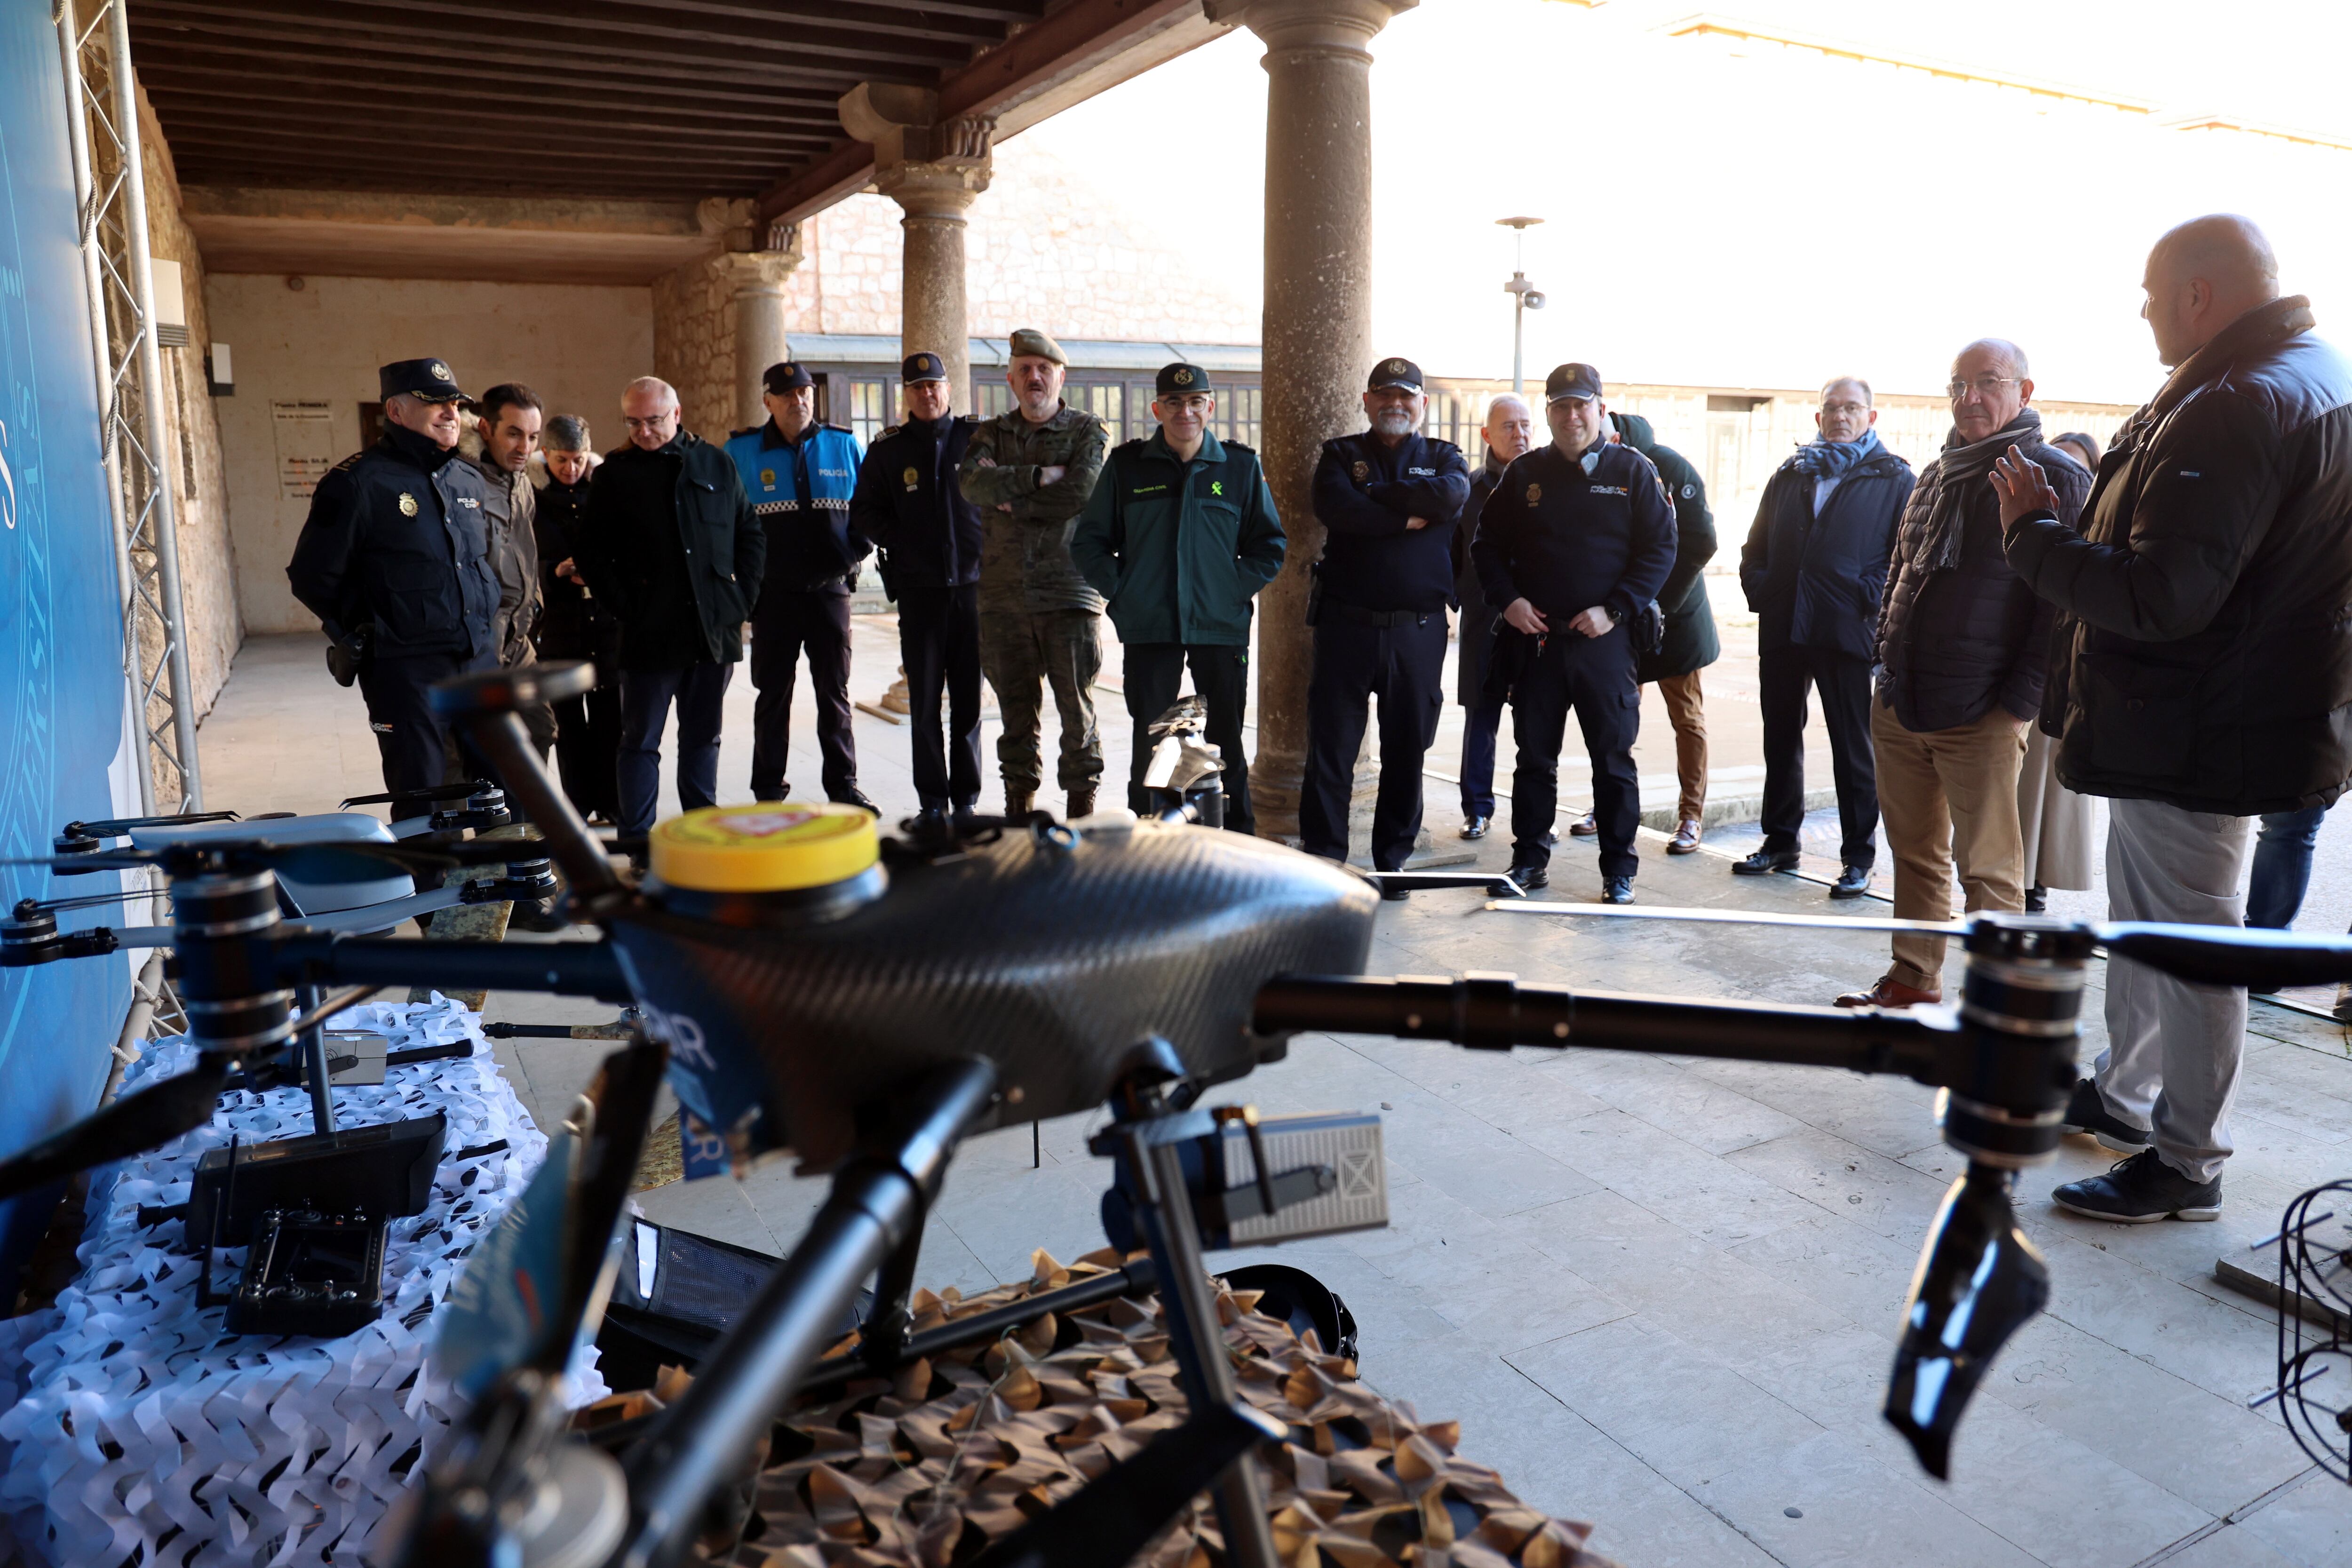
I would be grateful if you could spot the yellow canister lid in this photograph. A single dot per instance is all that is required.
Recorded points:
(775, 846)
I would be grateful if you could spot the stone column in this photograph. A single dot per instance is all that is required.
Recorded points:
(756, 282)
(933, 168)
(1317, 328)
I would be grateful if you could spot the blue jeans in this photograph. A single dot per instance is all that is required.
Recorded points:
(2283, 866)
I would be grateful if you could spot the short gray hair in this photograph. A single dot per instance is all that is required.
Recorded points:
(652, 383)
(566, 433)
(2011, 357)
(1833, 383)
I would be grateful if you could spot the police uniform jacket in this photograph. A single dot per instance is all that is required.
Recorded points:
(668, 543)
(1025, 554)
(1568, 533)
(396, 546)
(908, 502)
(1179, 549)
(1364, 492)
(799, 491)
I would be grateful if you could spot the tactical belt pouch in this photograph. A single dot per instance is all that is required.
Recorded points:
(346, 658)
(1649, 628)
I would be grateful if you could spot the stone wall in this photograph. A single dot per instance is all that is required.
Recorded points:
(213, 627)
(694, 344)
(575, 344)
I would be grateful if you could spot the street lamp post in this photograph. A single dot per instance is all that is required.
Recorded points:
(1525, 297)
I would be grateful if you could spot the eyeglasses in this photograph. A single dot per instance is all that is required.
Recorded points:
(654, 422)
(1984, 386)
(1848, 410)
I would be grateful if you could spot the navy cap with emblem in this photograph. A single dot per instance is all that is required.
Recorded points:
(923, 367)
(1182, 380)
(426, 378)
(1401, 373)
(1581, 382)
(785, 377)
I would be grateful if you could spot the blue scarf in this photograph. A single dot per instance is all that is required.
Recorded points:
(1835, 460)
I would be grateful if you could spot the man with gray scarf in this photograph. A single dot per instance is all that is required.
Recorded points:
(1961, 655)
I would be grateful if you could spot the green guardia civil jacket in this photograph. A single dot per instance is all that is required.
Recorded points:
(1025, 541)
(1180, 549)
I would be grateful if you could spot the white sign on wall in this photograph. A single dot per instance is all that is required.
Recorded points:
(306, 447)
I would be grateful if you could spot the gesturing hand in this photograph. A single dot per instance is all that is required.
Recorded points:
(1595, 622)
(1414, 524)
(2022, 486)
(1526, 618)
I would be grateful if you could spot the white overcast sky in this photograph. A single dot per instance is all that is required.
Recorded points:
(1766, 217)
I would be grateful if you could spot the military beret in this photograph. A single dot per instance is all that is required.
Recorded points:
(1182, 380)
(787, 377)
(1581, 382)
(426, 378)
(1401, 373)
(1030, 341)
(922, 367)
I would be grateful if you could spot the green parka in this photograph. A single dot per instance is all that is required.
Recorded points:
(1180, 549)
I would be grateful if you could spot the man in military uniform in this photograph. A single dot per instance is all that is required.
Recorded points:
(908, 503)
(1030, 469)
(395, 560)
(506, 420)
(1179, 536)
(1575, 543)
(1389, 498)
(799, 475)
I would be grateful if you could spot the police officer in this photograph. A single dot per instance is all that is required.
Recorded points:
(800, 475)
(1389, 499)
(908, 503)
(1179, 536)
(1575, 543)
(394, 560)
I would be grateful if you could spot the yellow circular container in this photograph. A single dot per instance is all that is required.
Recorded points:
(776, 846)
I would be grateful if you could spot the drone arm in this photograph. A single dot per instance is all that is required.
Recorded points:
(564, 968)
(1495, 1012)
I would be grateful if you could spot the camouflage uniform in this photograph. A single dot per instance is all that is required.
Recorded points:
(1039, 619)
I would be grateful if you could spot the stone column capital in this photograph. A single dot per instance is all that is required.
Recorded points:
(931, 166)
(747, 271)
(1345, 25)
(933, 187)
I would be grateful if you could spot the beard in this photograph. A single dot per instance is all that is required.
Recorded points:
(1393, 422)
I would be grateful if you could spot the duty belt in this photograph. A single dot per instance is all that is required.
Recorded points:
(1383, 618)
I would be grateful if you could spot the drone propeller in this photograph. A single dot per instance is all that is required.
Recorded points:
(465, 791)
(96, 860)
(131, 1125)
(2209, 956)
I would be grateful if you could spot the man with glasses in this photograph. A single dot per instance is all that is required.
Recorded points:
(670, 546)
(1961, 654)
(1813, 569)
(1389, 498)
(394, 560)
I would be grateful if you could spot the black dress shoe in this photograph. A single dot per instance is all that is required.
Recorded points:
(1616, 890)
(2141, 1190)
(1854, 882)
(1529, 877)
(1475, 827)
(1764, 862)
(852, 798)
(2087, 1112)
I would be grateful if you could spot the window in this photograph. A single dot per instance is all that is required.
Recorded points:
(990, 398)
(870, 407)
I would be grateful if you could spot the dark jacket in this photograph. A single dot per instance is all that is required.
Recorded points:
(1819, 582)
(1951, 644)
(908, 502)
(669, 543)
(1567, 537)
(573, 622)
(1178, 550)
(2203, 652)
(1364, 493)
(1475, 635)
(396, 549)
(1690, 642)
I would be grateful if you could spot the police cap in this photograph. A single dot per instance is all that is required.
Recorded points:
(1398, 372)
(1029, 341)
(922, 367)
(1182, 380)
(788, 376)
(1581, 382)
(427, 378)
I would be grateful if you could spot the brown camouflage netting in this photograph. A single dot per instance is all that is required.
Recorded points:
(924, 1471)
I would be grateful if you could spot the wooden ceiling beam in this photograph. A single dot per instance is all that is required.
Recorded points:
(514, 125)
(823, 27)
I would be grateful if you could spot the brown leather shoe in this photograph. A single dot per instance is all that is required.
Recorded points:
(1686, 839)
(1890, 993)
(1588, 828)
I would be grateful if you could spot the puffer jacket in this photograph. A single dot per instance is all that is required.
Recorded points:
(1817, 582)
(2203, 651)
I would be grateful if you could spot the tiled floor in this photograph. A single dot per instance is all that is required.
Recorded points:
(1659, 1292)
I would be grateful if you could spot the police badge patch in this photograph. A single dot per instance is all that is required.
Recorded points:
(1689, 490)
(1535, 494)
(1183, 378)
(407, 504)
(768, 477)
(912, 479)
(1362, 470)
(441, 371)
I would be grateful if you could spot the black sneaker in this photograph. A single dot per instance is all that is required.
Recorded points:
(1764, 862)
(2141, 1191)
(1529, 877)
(2037, 899)
(1854, 882)
(1616, 890)
(2087, 1112)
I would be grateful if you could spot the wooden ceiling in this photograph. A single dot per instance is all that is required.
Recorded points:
(624, 99)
